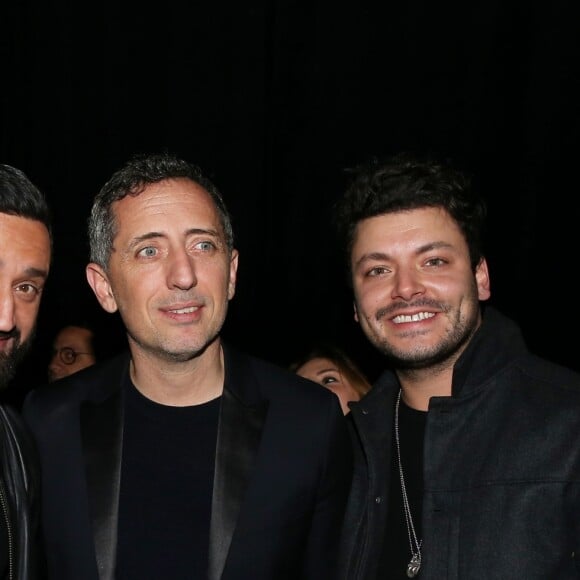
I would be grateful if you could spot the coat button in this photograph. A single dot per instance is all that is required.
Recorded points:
(364, 412)
(378, 499)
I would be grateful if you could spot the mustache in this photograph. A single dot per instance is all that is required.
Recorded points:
(183, 298)
(391, 309)
(14, 333)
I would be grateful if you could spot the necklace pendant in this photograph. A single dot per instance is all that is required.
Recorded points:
(414, 566)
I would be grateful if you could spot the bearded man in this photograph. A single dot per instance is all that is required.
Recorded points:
(25, 240)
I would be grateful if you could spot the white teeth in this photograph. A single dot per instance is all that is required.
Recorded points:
(414, 318)
(185, 310)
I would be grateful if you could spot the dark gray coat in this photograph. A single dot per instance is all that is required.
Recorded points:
(501, 468)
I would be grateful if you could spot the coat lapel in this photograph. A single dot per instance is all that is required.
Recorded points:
(101, 432)
(239, 432)
(242, 416)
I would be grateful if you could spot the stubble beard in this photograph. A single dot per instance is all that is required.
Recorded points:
(168, 351)
(423, 357)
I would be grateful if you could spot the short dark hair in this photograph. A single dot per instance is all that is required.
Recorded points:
(404, 182)
(20, 197)
(131, 179)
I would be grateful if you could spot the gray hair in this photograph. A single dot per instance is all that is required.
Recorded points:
(131, 179)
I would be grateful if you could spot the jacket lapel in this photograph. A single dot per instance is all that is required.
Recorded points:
(101, 432)
(239, 432)
(242, 416)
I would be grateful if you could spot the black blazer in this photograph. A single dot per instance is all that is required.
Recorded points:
(282, 473)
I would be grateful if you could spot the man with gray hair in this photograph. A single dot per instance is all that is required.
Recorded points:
(184, 457)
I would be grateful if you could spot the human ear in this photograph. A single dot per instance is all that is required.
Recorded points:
(99, 282)
(482, 279)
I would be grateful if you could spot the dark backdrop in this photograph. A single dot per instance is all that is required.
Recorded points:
(274, 100)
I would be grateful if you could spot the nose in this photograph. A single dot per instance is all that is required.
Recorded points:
(55, 370)
(407, 285)
(7, 321)
(181, 272)
(52, 369)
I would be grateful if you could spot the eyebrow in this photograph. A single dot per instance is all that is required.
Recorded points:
(153, 235)
(379, 256)
(329, 370)
(36, 272)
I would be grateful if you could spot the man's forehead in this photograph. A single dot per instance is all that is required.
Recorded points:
(25, 244)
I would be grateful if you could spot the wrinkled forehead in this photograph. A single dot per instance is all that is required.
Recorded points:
(167, 205)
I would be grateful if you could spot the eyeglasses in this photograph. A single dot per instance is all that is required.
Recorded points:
(68, 355)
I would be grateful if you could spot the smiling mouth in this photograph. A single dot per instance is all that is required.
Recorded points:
(412, 317)
(187, 310)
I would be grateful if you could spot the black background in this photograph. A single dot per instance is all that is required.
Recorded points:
(274, 100)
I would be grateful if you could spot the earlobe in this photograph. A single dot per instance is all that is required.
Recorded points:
(233, 274)
(99, 282)
(482, 279)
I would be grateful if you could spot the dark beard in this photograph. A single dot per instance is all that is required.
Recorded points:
(9, 361)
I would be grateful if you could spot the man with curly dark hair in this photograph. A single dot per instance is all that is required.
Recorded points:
(466, 463)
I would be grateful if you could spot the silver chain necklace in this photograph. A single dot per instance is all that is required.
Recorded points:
(414, 564)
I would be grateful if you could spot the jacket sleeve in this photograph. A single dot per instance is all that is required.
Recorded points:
(21, 478)
(336, 472)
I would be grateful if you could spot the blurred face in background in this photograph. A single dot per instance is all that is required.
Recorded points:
(24, 265)
(72, 350)
(328, 374)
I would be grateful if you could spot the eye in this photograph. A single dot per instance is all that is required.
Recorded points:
(329, 379)
(148, 252)
(205, 246)
(435, 262)
(28, 291)
(377, 271)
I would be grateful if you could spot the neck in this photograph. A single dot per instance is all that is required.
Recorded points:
(418, 386)
(179, 383)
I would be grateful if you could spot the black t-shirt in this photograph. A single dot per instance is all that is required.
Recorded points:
(396, 552)
(166, 489)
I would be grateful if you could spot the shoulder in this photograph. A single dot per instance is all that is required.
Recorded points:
(96, 382)
(12, 423)
(251, 376)
(17, 446)
(543, 373)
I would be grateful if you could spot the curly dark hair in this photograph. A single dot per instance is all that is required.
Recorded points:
(405, 182)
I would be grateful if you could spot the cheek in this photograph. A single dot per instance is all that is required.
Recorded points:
(26, 318)
(133, 291)
(366, 306)
(351, 394)
(371, 294)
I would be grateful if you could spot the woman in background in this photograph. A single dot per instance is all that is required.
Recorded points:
(329, 366)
